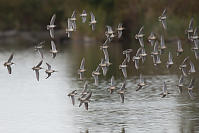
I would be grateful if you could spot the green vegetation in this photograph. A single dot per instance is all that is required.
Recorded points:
(34, 15)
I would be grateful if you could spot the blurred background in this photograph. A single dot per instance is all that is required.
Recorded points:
(34, 15)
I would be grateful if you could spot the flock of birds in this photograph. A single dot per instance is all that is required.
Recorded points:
(159, 47)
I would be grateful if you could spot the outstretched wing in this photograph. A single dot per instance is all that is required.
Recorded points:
(82, 63)
(49, 66)
(52, 21)
(39, 64)
(10, 58)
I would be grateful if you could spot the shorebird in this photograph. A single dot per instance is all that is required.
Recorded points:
(190, 88)
(72, 95)
(109, 33)
(119, 29)
(53, 49)
(122, 91)
(127, 54)
(49, 71)
(164, 90)
(51, 26)
(141, 83)
(158, 61)
(180, 83)
(37, 68)
(179, 49)
(39, 48)
(140, 36)
(82, 69)
(93, 21)
(152, 38)
(170, 61)
(104, 66)
(73, 20)
(83, 15)
(85, 100)
(163, 18)
(69, 29)
(123, 67)
(192, 67)
(189, 30)
(112, 87)
(9, 63)
(96, 74)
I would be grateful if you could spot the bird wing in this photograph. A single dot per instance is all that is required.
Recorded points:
(40, 53)
(73, 14)
(192, 69)
(170, 57)
(86, 105)
(141, 30)
(37, 74)
(53, 46)
(73, 100)
(181, 79)
(191, 23)
(164, 88)
(162, 42)
(122, 97)
(124, 72)
(124, 61)
(11, 57)
(96, 79)
(139, 51)
(49, 66)
(191, 83)
(82, 63)
(49, 74)
(39, 64)
(164, 24)
(9, 69)
(92, 16)
(52, 33)
(97, 69)
(141, 41)
(52, 21)
(112, 81)
(164, 13)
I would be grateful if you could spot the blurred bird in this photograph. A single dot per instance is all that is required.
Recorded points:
(51, 26)
(96, 74)
(123, 68)
(93, 21)
(190, 88)
(122, 91)
(189, 30)
(39, 48)
(49, 71)
(106, 57)
(85, 100)
(82, 69)
(37, 68)
(127, 54)
(140, 36)
(155, 49)
(69, 29)
(53, 49)
(164, 90)
(72, 95)
(112, 87)
(119, 29)
(163, 18)
(73, 20)
(83, 15)
(179, 49)
(141, 83)
(9, 63)
(152, 38)
(180, 83)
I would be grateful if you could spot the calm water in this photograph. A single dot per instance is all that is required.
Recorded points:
(29, 106)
